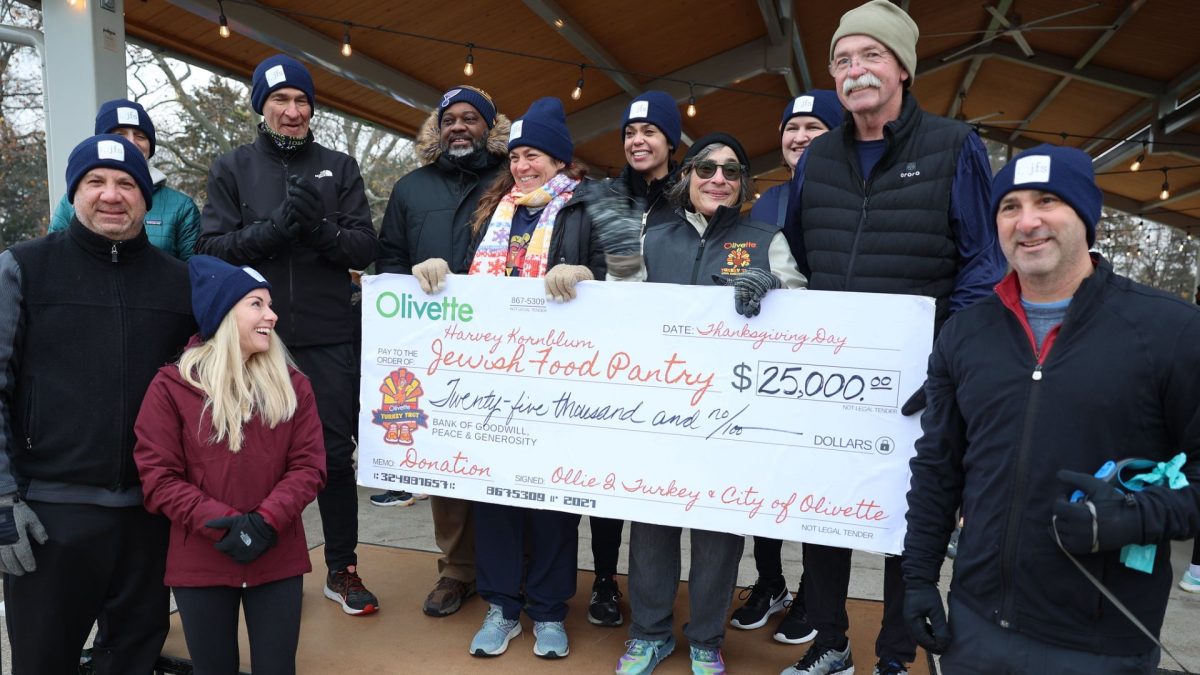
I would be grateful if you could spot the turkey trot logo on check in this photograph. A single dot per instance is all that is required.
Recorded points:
(400, 414)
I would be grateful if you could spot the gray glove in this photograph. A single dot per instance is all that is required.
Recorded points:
(749, 289)
(431, 274)
(561, 280)
(618, 221)
(16, 554)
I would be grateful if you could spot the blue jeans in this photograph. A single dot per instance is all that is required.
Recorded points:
(654, 565)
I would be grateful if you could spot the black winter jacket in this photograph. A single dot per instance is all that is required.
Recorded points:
(310, 284)
(573, 241)
(96, 319)
(1117, 379)
(429, 213)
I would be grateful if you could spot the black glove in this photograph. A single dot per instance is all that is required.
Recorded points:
(915, 403)
(249, 536)
(307, 209)
(283, 220)
(617, 219)
(749, 288)
(1105, 520)
(926, 616)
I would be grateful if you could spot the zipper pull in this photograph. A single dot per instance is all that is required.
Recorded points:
(644, 216)
(1037, 373)
(114, 253)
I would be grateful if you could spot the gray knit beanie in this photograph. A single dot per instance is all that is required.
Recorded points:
(887, 23)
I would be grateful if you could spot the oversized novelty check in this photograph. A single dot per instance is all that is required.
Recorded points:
(648, 402)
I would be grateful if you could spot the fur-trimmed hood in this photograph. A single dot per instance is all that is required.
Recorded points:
(428, 149)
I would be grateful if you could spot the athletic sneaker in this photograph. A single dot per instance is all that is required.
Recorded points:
(820, 660)
(795, 628)
(642, 656)
(1189, 583)
(346, 588)
(707, 661)
(393, 498)
(890, 667)
(495, 633)
(603, 609)
(765, 599)
(550, 639)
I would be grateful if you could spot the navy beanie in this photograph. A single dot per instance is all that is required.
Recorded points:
(1066, 172)
(718, 137)
(277, 72)
(113, 152)
(124, 113)
(216, 287)
(659, 109)
(477, 98)
(822, 104)
(544, 126)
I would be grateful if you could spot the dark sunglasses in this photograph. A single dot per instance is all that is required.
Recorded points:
(706, 168)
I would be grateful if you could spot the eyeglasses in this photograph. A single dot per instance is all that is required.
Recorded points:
(706, 168)
(872, 57)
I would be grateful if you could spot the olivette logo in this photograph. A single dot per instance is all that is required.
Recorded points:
(405, 306)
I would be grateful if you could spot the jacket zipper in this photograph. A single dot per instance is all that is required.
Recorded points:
(862, 221)
(114, 253)
(118, 482)
(1024, 451)
(291, 262)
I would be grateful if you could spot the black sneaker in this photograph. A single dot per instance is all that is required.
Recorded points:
(762, 600)
(393, 498)
(890, 667)
(603, 609)
(346, 588)
(795, 628)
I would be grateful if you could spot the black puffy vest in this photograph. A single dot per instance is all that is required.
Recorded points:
(676, 254)
(890, 233)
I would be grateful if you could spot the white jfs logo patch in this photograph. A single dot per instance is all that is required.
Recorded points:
(803, 104)
(639, 109)
(275, 75)
(515, 131)
(110, 150)
(127, 117)
(1032, 169)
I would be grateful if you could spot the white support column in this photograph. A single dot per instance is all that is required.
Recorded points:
(83, 66)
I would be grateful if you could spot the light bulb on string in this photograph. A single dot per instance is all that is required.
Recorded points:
(469, 67)
(223, 31)
(1137, 163)
(1166, 187)
(691, 109)
(577, 93)
(347, 50)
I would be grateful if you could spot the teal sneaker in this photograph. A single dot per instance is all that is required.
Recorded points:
(1189, 583)
(642, 656)
(550, 639)
(707, 661)
(495, 633)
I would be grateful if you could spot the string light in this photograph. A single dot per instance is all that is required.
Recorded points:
(469, 68)
(578, 91)
(347, 50)
(1166, 187)
(691, 109)
(223, 31)
(1137, 163)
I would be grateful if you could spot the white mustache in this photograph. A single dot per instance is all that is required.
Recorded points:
(866, 80)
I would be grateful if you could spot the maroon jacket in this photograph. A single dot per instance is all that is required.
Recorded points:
(192, 481)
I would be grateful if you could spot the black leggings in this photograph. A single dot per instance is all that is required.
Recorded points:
(1196, 551)
(606, 544)
(210, 626)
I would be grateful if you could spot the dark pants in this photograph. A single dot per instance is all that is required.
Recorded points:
(606, 544)
(333, 371)
(1196, 551)
(827, 583)
(98, 563)
(503, 534)
(768, 558)
(210, 626)
(980, 647)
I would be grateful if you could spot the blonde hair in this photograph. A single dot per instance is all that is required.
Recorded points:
(236, 389)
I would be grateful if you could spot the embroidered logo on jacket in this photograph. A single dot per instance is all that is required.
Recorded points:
(400, 414)
(326, 173)
(738, 258)
(910, 170)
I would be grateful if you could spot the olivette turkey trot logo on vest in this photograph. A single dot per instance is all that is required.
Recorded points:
(738, 258)
(405, 306)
